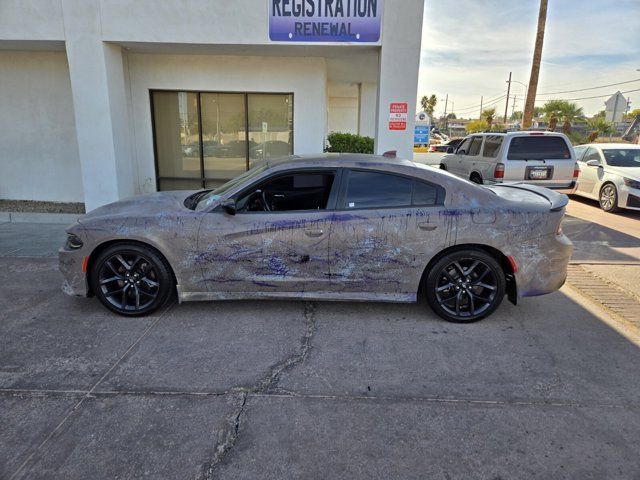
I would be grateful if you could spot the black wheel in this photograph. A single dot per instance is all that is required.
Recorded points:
(443, 167)
(475, 178)
(465, 286)
(609, 198)
(131, 280)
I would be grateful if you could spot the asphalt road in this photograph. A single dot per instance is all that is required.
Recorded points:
(245, 390)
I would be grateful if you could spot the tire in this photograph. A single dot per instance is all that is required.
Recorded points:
(475, 178)
(608, 198)
(465, 286)
(137, 290)
(443, 167)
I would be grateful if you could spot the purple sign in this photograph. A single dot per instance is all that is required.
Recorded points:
(325, 20)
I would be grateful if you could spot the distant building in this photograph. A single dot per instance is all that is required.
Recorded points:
(615, 108)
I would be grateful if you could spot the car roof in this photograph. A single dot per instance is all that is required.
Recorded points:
(611, 145)
(533, 133)
(347, 160)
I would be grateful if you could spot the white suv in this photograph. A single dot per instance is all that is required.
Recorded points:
(541, 158)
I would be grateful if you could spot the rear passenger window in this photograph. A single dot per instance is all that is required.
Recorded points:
(538, 147)
(374, 189)
(476, 143)
(492, 145)
(424, 194)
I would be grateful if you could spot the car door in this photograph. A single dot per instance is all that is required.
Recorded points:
(384, 231)
(453, 160)
(277, 241)
(588, 180)
(470, 163)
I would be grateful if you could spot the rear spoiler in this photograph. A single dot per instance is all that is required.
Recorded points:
(557, 200)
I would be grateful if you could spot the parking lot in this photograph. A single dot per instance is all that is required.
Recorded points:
(245, 390)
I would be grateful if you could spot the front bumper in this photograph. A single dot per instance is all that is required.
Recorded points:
(629, 198)
(542, 265)
(70, 263)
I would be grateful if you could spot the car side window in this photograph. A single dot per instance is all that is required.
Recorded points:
(289, 192)
(463, 148)
(492, 145)
(591, 154)
(376, 190)
(424, 194)
(579, 151)
(474, 149)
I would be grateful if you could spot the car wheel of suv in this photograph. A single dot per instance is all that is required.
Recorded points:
(476, 178)
(465, 286)
(443, 167)
(609, 198)
(131, 280)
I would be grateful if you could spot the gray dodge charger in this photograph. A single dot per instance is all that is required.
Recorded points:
(327, 227)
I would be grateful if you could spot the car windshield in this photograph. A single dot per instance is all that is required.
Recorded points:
(622, 157)
(214, 195)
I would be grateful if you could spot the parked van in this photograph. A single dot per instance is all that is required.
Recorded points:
(540, 158)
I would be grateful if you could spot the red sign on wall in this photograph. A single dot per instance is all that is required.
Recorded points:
(398, 116)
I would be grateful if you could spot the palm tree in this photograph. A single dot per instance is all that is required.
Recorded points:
(535, 66)
(599, 126)
(488, 115)
(429, 104)
(555, 110)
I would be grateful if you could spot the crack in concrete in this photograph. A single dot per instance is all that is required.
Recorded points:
(263, 386)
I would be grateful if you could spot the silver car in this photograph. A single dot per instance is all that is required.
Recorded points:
(330, 227)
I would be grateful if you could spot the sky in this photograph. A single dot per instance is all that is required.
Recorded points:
(470, 46)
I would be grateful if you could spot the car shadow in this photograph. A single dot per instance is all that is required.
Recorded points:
(630, 214)
(596, 243)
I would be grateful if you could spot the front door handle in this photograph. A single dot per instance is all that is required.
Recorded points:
(314, 233)
(427, 226)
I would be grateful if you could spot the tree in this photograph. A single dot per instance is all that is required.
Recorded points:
(476, 126)
(535, 66)
(517, 115)
(598, 126)
(451, 116)
(488, 115)
(634, 113)
(556, 110)
(429, 104)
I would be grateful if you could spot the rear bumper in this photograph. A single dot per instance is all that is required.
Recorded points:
(542, 268)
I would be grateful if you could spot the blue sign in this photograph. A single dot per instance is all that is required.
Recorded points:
(325, 20)
(421, 134)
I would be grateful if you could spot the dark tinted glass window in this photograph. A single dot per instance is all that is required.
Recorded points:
(372, 189)
(424, 194)
(579, 151)
(538, 147)
(492, 145)
(464, 146)
(476, 143)
(299, 191)
(619, 157)
(592, 154)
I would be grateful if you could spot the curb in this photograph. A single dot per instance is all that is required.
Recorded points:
(37, 217)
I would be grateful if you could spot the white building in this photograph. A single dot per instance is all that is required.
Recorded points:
(104, 99)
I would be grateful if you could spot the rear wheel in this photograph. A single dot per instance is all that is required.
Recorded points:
(465, 286)
(131, 279)
(609, 198)
(476, 178)
(443, 166)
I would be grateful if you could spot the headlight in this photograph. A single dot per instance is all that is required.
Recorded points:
(631, 183)
(73, 242)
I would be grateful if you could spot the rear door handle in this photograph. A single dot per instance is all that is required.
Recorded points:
(427, 226)
(314, 233)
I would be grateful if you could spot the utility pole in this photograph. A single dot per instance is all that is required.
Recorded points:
(481, 98)
(535, 67)
(513, 106)
(446, 101)
(506, 105)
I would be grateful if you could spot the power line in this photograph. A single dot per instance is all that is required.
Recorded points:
(476, 106)
(484, 104)
(583, 98)
(591, 88)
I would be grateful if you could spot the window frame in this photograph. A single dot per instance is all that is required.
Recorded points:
(596, 151)
(480, 149)
(344, 181)
(202, 178)
(331, 202)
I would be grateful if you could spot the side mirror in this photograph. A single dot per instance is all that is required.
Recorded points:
(461, 152)
(229, 206)
(593, 163)
(450, 150)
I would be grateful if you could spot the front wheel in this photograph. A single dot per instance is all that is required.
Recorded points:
(609, 198)
(131, 279)
(465, 286)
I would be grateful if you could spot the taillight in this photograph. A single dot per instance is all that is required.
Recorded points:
(499, 171)
(576, 170)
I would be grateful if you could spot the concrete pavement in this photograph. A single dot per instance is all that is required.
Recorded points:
(547, 389)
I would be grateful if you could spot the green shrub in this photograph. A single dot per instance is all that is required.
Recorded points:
(349, 143)
(577, 138)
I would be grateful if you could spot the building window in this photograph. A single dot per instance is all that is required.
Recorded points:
(204, 139)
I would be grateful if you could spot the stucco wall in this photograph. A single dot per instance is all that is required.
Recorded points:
(304, 77)
(38, 149)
